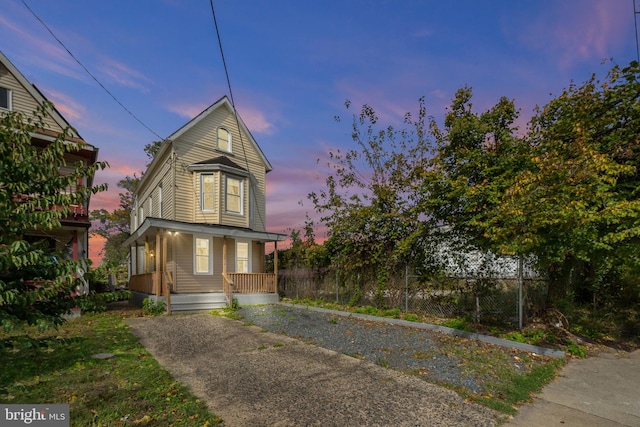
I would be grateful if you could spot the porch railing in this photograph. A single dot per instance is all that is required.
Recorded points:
(147, 283)
(232, 283)
(227, 288)
(253, 283)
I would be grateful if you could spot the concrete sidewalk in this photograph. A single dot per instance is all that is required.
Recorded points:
(601, 391)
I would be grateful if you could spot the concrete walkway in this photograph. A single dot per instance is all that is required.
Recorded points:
(601, 391)
(254, 378)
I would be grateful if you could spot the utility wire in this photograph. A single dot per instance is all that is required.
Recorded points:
(635, 22)
(89, 72)
(233, 105)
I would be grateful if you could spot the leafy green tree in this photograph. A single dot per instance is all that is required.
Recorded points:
(565, 192)
(114, 226)
(579, 196)
(152, 149)
(367, 202)
(477, 159)
(35, 287)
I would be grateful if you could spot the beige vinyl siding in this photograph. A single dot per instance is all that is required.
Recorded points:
(186, 281)
(198, 144)
(257, 257)
(161, 175)
(22, 101)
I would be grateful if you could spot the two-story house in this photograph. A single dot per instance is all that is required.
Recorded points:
(19, 95)
(198, 221)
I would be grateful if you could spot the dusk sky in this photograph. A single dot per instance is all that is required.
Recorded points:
(292, 65)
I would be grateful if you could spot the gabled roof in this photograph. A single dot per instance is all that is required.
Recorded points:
(223, 103)
(86, 150)
(38, 96)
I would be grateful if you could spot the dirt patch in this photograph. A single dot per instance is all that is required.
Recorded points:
(125, 309)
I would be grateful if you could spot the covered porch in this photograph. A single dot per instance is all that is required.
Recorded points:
(159, 266)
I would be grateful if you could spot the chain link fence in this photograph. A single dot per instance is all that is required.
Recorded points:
(489, 292)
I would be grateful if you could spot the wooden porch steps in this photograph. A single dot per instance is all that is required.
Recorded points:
(203, 302)
(185, 303)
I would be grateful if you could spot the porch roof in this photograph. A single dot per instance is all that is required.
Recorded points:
(151, 226)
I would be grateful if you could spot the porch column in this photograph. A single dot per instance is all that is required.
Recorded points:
(224, 255)
(163, 272)
(275, 262)
(156, 274)
(135, 264)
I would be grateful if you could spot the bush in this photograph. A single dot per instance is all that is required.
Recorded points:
(410, 317)
(154, 308)
(458, 323)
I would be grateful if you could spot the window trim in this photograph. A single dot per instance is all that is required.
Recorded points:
(209, 239)
(229, 148)
(213, 192)
(226, 195)
(9, 92)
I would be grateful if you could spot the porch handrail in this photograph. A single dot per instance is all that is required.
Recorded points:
(143, 283)
(227, 288)
(254, 283)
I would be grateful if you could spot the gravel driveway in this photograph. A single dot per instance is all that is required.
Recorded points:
(253, 378)
(376, 342)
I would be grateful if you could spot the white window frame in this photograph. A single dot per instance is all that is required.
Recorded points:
(209, 271)
(150, 205)
(160, 201)
(229, 148)
(9, 99)
(241, 195)
(248, 259)
(213, 192)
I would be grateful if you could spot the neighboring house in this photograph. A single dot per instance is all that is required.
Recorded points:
(198, 221)
(17, 94)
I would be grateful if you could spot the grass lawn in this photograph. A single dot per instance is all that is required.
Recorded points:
(130, 388)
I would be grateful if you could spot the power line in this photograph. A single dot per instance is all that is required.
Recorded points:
(635, 22)
(235, 111)
(89, 72)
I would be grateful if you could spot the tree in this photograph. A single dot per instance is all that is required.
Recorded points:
(152, 149)
(477, 159)
(35, 287)
(566, 192)
(114, 226)
(367, 204)
(579, 198)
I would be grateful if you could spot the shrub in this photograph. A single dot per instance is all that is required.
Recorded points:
(410, 317)
(153, 308)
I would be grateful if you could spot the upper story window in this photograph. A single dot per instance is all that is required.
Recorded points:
(224, 139)
(207, 192)
(234, 200)
(160, 201)
(5, 98)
